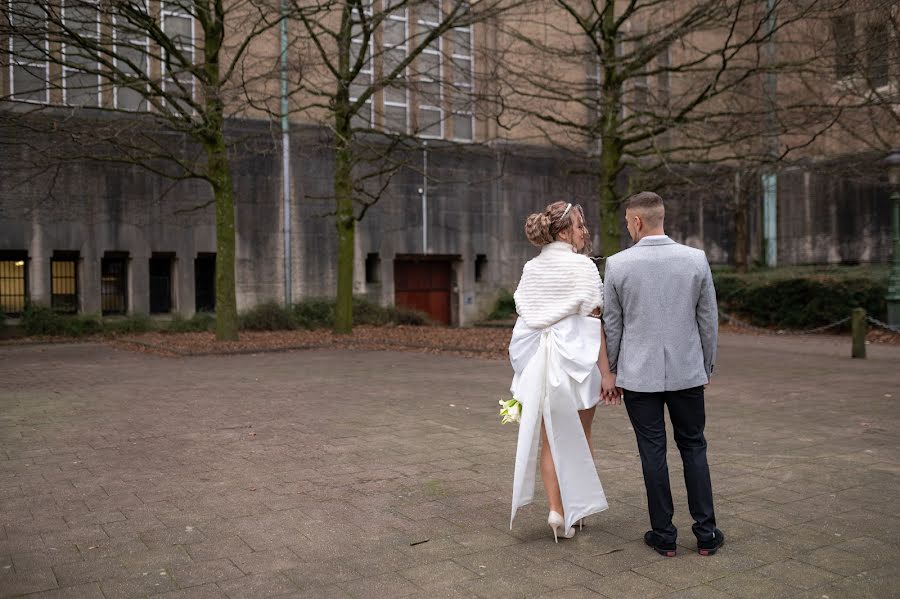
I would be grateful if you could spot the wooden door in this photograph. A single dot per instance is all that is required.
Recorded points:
(425, 286)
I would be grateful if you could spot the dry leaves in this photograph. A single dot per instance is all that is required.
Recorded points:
(481, 342)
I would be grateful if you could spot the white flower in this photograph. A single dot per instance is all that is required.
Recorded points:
(510, 410)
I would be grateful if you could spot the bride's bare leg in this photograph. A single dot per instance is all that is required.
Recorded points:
(548, 475)
(587, 420)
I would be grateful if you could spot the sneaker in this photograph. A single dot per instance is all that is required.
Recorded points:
(661, 547)
(711, 546)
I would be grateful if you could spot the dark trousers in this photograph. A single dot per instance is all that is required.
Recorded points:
(686, 410)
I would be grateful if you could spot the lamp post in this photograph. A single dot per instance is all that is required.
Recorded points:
(893, 294)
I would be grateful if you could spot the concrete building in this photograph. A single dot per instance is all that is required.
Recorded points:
(447, 234)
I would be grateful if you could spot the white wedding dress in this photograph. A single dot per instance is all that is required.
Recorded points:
(556, 375)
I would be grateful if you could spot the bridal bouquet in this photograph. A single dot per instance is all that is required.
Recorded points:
(510, 410)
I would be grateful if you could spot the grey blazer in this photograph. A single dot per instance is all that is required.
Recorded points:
(660, 316)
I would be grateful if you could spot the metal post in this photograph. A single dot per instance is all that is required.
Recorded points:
(285, 158)
(424, 197)
(770, 180)
(893, 293)
(858, 322)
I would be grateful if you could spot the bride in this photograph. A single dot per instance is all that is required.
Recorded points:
(554, 352)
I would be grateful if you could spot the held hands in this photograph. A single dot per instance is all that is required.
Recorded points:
(609, 393)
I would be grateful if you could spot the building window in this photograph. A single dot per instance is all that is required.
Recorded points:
(64, 282)
(114, 283)
(480, 267)
(13, 282)
(877, 52)
(29, 70)
(640, 90)
(363, 80)
(462, 69)
(81, 70)
(663, 80)
(396, 95)
(205, 283)
(178, 25)
(430, 112)
(843, 29)
(161, 284)
(131, 52)
(373, 269)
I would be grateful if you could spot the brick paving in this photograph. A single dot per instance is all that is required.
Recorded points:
(337, 473)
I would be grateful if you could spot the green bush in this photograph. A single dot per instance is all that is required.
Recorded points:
(504, 307)
(269, 316)
(43, 320)
(133, 323)
(798, 302)
(318, 313)
(314, 313)
(199, 322)
(368, 312)
(81, 325)
(409, 317)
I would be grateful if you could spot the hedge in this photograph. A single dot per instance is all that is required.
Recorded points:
(798, 302)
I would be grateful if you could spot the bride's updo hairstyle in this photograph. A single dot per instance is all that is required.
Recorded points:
(542, 228)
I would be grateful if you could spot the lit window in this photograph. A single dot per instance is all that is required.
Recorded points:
(114, 283)
(13, 281)
(64, 282)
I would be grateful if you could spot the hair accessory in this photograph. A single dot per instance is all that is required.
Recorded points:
(566, 211)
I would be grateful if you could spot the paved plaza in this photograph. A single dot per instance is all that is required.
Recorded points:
(337, 473)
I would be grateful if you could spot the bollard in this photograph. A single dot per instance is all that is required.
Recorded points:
(858, 318)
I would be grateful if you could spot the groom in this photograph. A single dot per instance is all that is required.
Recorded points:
(661, 324)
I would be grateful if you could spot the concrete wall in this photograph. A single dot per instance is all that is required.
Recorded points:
(478, 199)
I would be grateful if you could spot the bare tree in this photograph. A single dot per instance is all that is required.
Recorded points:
(650, 85)
(108, 80)
(379, 76)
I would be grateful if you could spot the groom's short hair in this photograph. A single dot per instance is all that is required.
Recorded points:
(649, 206)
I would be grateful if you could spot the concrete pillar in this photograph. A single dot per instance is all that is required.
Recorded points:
(139, 284)
(183, 285)
(38, 264)
(89, 279)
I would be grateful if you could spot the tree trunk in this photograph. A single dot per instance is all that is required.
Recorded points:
(219, 171)
(226, 299)
(611, 148)
(610, 226)
(345, 221)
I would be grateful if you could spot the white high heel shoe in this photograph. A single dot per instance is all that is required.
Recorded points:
(554, 521)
